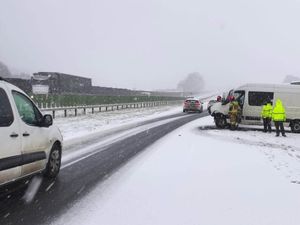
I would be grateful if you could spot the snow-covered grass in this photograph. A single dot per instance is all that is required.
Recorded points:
(199, 176)
(85, 125)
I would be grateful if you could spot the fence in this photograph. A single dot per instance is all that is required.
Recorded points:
(63, 100)
(107, 107)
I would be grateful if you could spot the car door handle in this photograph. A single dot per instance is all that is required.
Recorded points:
(26, 134)
(14, 135)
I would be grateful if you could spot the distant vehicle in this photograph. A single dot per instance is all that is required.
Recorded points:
(251, 98)
(29, 142)
(295, 83)
(192, 104)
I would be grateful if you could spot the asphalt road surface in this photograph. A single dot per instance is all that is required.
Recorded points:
(53, 198)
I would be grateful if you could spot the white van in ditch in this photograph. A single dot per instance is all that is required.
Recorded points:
(251, 98)
(30, 144)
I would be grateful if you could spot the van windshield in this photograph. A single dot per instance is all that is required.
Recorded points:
(227, 96)
(240, 97)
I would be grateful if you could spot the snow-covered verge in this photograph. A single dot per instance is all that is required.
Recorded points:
(199, 176)
(85, 125)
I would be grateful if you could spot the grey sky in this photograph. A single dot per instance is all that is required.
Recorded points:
(153, 44)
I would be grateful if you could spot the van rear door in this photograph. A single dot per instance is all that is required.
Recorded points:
(10, 150)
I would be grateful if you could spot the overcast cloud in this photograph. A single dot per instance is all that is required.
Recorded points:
(153, 44)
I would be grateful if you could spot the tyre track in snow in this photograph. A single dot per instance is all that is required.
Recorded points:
(53, 198)
(77, 144)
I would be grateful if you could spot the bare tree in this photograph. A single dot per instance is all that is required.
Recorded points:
(291, 78)
(4, 71)
(193, 83)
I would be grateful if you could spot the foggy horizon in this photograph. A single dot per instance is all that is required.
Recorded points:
(154, 44)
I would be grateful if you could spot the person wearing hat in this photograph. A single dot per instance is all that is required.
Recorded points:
(234, 113)
(266, 115)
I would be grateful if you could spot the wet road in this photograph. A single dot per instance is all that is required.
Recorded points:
(53, 198)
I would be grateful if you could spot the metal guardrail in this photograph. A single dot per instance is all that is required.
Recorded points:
(107, 107)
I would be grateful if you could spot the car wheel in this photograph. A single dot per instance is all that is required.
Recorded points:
(54, 162)
(295, 126)
(220, 121)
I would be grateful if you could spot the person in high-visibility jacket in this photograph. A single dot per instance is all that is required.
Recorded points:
(278, 116)
(266, 115)
(234, 113)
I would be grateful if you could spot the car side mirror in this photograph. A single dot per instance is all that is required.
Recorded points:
(47, 120)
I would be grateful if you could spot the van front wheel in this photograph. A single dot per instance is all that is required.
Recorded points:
(54, 162)
(220, 121)
(295, 126)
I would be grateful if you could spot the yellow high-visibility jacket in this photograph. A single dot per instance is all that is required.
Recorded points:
(278, 113)
(267, 111)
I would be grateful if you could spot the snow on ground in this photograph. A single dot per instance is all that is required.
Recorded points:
(198, 176)
(283, 153)
(84, 125)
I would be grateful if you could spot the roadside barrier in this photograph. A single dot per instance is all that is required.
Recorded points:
(105, 108)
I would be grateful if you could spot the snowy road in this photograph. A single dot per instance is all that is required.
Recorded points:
(195, 174)
(81, 173)
(200, 176)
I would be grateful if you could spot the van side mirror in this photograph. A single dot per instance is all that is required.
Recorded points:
(47, 121)
(225, 101)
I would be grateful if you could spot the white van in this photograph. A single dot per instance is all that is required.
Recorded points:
(29, 142)
(252, 97)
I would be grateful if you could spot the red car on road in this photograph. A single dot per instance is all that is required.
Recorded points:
(192, 105)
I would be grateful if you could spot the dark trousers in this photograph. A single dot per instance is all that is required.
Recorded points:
(279, 125)
(267, 124)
